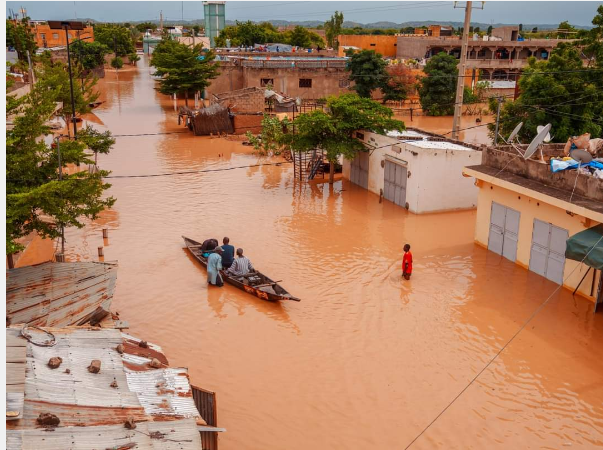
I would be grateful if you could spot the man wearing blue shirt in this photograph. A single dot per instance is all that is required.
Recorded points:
(228, 252)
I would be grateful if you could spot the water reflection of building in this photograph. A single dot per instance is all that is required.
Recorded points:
(531, 216)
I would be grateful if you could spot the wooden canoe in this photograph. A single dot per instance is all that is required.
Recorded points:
(266, 289)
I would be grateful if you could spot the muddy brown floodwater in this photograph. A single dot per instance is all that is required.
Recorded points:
(366, 360)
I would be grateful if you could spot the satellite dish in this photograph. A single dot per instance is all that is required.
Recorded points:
(515, 131)
(547, 138)
(539, 139)
(582, 156)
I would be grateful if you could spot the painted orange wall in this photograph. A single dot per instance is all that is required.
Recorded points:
(46, 38)
(385, 45)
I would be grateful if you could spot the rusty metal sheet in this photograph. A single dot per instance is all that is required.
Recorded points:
(164, 392)
(178, 434)
(58, 294)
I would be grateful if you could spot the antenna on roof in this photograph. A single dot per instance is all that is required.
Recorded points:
(537, 142)
(512, 137)
(548, 137)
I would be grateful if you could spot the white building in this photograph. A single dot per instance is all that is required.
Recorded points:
(419, 171)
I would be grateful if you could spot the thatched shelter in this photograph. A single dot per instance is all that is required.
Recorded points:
(214, 119)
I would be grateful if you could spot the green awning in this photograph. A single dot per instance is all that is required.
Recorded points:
(580, 244)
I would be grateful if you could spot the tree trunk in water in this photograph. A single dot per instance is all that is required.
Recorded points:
(186, 98)
(331, 172)
(67, 119)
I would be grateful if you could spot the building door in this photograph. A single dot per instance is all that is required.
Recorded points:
(359, 170)
(394, 186)
(504, 229)
(547, 255)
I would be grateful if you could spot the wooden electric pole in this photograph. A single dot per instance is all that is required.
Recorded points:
(460, 82)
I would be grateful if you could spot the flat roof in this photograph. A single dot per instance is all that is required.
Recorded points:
(578, 204)
(406, 133)
(443, 145)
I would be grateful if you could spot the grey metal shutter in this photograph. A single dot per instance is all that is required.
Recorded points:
(504, 230)
(395, 177)
(359, 170)
(547, 255)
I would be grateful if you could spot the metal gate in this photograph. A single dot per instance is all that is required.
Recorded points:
(205, 401)
(359, 170)
(394, 187)
(504, 229)
(547, 255)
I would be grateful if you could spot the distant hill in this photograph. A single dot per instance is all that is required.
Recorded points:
(380, 25)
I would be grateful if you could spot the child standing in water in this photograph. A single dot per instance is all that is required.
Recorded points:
(407, 263)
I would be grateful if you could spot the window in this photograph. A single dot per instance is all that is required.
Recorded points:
(305, 82)
(344, 83)
(55, 35)
(43, 36)
(267, 81)
(373, 45)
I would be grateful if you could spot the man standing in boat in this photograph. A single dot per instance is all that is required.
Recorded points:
(214, 265)
(228, 252)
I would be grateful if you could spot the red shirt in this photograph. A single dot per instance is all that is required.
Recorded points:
(407, 260)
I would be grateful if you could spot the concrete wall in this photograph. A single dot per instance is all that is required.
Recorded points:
(325, 81)
(385, 45)
(435, 180)
(531, 209)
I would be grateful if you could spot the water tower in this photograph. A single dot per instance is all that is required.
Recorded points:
(215, 19)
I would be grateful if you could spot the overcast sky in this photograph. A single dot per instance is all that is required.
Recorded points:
(577, 13)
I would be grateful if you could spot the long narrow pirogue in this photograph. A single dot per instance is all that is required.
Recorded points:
(256, 283)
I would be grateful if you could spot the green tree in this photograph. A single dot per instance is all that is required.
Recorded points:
(117, 63)
(133, 58)
(559, 91)
(489, 32)
(89, 54)
(183, 69)
(334, 131)
(333, 29)
(56, 77)
(20, 37)
(143, 27)
(117, 38)
(437, 89)
(34, 192)
(592, 41)
(96, 141)
(301, 37)
(367, 71)
(272, 137)
(521, 27)
(196, 30)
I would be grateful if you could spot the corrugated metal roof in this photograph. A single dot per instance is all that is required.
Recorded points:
(178, 434)
(58, 294)
(164, 392)
(91, 411)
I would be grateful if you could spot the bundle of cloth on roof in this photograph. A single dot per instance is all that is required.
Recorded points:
(280, 102)
(214, 119)
(594, 167)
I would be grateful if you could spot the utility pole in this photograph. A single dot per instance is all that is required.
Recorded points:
(458, 102)
(30, 70)
(71, 83)
(497, 121)
(161, 21)
(58, 142)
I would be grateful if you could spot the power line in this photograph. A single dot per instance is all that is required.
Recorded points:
(542, 305)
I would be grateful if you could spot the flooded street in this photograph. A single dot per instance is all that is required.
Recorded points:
(366, 359)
